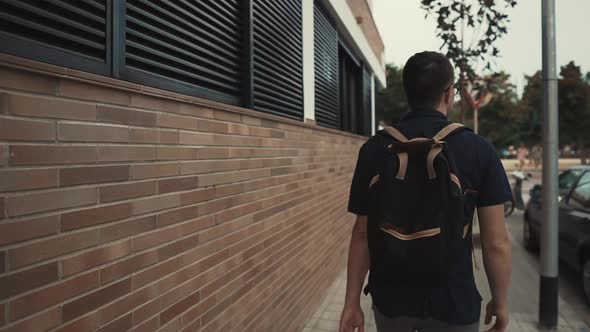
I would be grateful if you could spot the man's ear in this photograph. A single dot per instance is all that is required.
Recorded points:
(446, 98)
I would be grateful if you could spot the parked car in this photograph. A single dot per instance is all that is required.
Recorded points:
(574, 221)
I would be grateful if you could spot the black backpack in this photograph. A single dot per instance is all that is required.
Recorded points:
(416, 221)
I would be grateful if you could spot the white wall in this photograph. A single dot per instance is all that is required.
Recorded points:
(308, 62)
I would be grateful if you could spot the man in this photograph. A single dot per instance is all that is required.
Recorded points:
(428, 84)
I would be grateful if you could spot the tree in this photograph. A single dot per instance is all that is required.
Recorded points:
(530, 110)
(574, 114)
(393, 97)
(499, 119)
(485, 21)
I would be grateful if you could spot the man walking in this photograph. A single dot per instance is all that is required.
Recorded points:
(414, 191)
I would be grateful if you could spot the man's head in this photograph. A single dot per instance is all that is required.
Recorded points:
(428, 81)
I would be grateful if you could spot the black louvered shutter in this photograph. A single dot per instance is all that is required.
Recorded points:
(193, 47)
(326, 69)
(278, 57)
(71, 33)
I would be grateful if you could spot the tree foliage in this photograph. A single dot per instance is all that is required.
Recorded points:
(486, 21)
(393, 96)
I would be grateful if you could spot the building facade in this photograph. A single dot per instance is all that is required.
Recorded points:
(178, 165)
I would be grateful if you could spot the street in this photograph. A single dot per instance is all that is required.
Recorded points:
(574, 313)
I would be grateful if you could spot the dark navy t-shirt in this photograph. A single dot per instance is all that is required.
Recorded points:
(484, 182)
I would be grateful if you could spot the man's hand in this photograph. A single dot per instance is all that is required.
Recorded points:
(352, 319)
(501, 314)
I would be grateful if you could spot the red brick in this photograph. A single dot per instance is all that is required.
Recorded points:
(26, 130)
(13, 232)
(13, 180)
(4, 152)
(21, 80)
(86, 91)
(125, 116)
(228, 116)
(212, 126)
(180, 307)
(2, 314)
(87, 323)
(87, 260)
(196, 196)
(93, 216)
(179, 246)
(50, 200)
(154, 170)
(212, 153)
(229, 177)
(128, 303)
(95, 299)
(172, 326)
(123, 191)
(190, 138)
(208, 166)
(176, 153)
(155, 136)
(177, 184)
(196, 110)
(177, 121)
(51, 154)
(93, 174)
(156, 203)
(151, 325)
(52, 247)
(178, 215)
(41, 322)
(121, 324)
(126, 153)
(127, 228)
(251, 120)
(22, 281)
(154, 103)
(46, 108)
(127, 266)
(46, 297)
(156, 272)
(77, 132)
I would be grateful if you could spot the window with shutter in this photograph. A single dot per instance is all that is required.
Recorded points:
(71, 33)
(278, 57)
(326, 69)
(192, 47)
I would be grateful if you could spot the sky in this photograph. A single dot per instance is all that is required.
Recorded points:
(405, 31)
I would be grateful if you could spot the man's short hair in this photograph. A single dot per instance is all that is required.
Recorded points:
(426, 75)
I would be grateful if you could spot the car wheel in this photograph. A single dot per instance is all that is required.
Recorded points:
(586, 279)
(528, 237)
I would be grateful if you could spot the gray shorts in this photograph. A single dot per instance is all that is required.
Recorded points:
(407, 324)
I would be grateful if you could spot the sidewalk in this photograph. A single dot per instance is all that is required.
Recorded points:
(574, 314)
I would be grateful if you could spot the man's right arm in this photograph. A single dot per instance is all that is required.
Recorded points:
(497, 260)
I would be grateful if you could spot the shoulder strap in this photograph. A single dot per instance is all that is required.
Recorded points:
(447, 130)
(395, 134)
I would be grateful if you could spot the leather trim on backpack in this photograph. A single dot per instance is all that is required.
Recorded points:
(434, 151)
(403, 165)
(414, 236)
(446, 131)
(395, 134)
(374, 180)
(455, 179)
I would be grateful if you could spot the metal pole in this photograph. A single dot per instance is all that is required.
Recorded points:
(475, 121)
(548, 297)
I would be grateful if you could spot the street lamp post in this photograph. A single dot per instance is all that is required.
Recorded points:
(548, 295)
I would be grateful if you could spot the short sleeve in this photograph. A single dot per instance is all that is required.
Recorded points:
(364, 171)
(495, 188)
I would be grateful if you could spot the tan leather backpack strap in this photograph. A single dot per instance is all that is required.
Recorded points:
(446, 131)
(395, 134)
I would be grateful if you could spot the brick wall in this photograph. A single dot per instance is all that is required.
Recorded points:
(124, 207)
